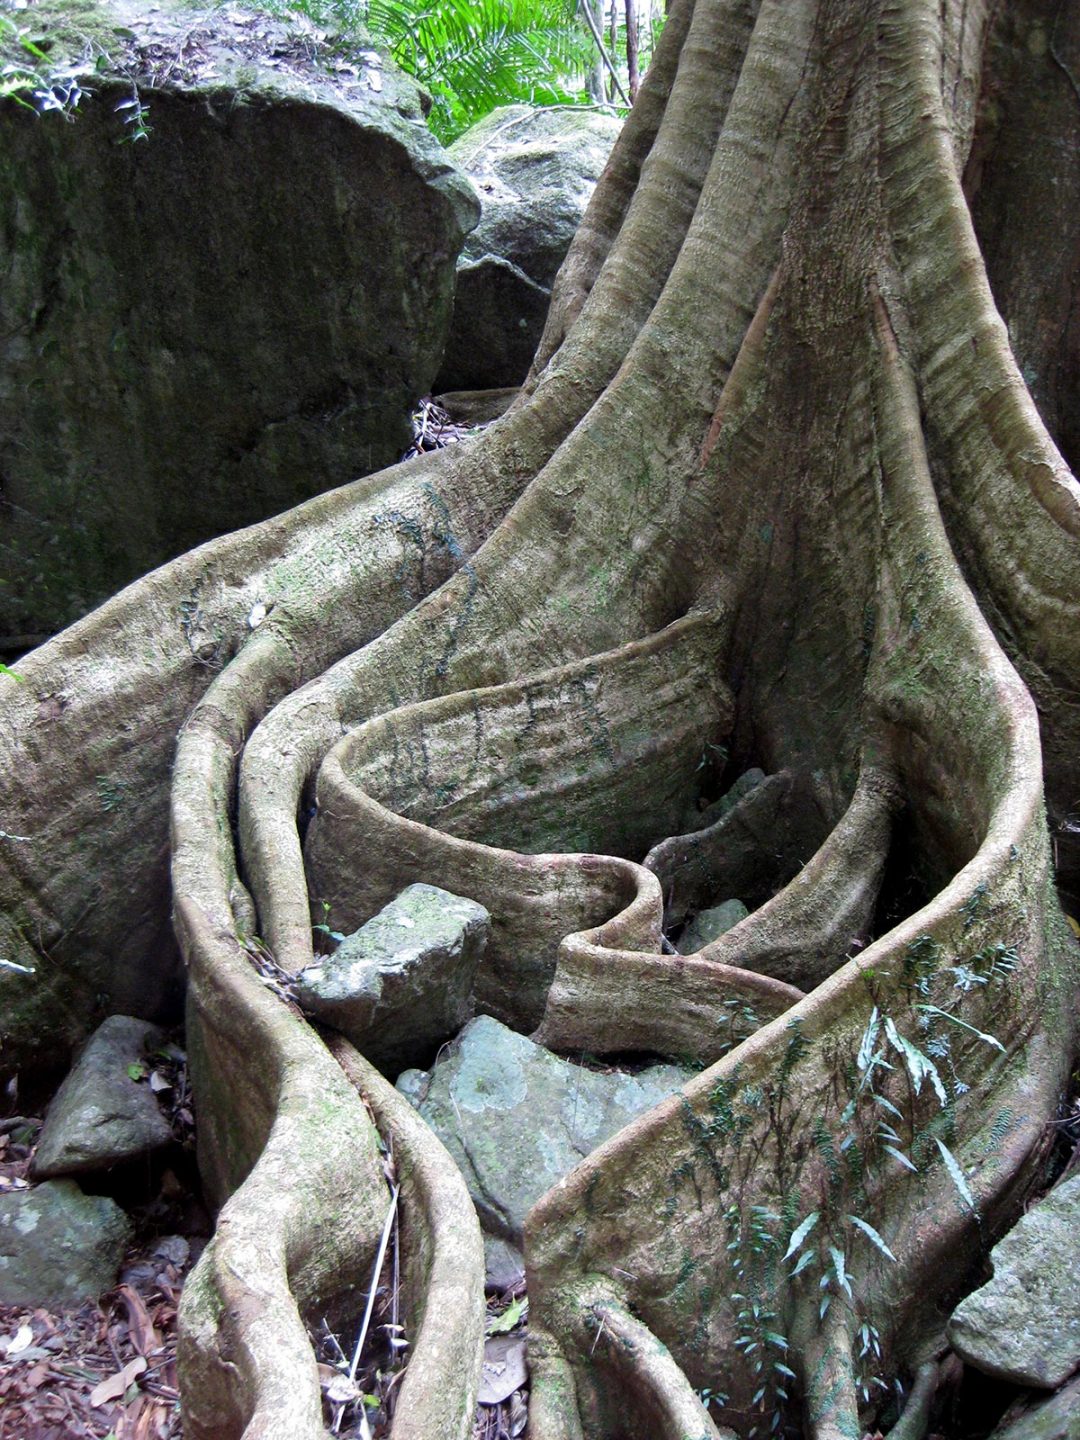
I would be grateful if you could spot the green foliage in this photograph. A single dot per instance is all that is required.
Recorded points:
(474, 55)
(28, 77)
(135, 115)
(512, 1316)
(323, 928)
(975, 905)
(469, 55)
(754, 1246)
(111, 793)
(21, 64)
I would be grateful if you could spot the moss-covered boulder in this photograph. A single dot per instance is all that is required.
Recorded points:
(58, 1246)
(105, 1112)
(402, 983)
(221, 288)
(1055, 1419)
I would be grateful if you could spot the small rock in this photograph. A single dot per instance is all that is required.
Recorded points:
(709, 925)
(1024, 1324)
(101, 1114)
(1055, 1419)
(59, 1247)
(173, 1248)
(402, 983)
(747, 781)
(516, 1118)
(504, 1264)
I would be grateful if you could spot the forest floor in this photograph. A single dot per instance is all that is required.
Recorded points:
(106, 1371)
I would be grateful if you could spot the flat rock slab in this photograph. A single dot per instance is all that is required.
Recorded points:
(402, 983)
(102, 1114)
(1024, 1324)
(516, 1118)
(59, 1247)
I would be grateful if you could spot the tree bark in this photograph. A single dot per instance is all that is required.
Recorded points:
(776, 488)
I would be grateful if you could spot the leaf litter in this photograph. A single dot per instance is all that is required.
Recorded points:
(108, 1367)
(502, 1410)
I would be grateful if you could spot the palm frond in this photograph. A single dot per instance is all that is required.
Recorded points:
(470, 55)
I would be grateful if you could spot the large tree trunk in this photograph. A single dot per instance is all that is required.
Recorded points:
(775, 484)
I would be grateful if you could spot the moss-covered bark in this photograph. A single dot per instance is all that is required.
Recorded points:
(776, 485)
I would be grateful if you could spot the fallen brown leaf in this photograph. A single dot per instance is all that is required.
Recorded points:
(114, 1386)
(504, 1369)
(144, 1336)
(135, 1422)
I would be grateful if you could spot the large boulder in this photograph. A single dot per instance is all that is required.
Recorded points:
(402, 983)
(1023, 1325)
(59, 1247)
(534, 171)
(516, 1118)
(105, 1112)
(222, 289)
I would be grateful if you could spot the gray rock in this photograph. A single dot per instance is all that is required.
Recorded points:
(101, 1116)
(504, 1264)
(709, 925)
(534, 171)
(1024, 1324)
(747, 781)
(211, 325)
(516, 1118)
(59, 1247)
(403, 982)
(1055, 1419)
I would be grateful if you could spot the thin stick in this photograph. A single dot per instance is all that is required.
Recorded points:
(587, 13)
(394, 1307)
(379, 1258)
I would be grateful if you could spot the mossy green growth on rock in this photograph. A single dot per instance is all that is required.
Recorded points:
(224, 288)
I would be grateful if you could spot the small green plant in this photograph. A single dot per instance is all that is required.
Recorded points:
(135, 115)
(737, 1022)
(828, 1246)
(323, 927)
(709, 1397)
(14, 674)
(513, 1315)
(975, 904)
(27, 77)
(756, 1263)
(111, 793)
(21, 74)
